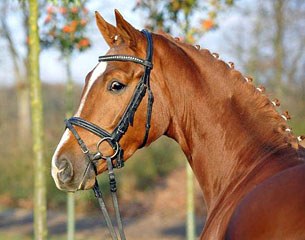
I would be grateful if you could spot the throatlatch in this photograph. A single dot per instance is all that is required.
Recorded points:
(113, 138)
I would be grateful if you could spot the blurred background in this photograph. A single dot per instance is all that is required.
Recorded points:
(264, 39)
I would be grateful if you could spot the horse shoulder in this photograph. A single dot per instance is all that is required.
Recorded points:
(275, 209)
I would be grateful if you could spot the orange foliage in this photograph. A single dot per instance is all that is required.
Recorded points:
(67, 29)
(84, 42)
(63, 10)
(65, 25)
(74, 9)
(50, 10)
(208, 24)
(83, 22)
(73, 25)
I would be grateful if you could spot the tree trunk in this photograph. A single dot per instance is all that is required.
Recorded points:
(40, 209)
(22, 88)
(69, 109)
(190, 204)
(278, 46)
(24, 114)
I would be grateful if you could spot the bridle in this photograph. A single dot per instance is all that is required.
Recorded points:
(113, 138)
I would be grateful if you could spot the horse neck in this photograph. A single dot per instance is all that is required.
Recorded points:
(226, 128)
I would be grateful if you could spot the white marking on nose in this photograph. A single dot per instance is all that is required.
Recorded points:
(97, 72)
(54, 170)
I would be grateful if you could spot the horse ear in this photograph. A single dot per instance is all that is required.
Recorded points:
(108, 31)
(128, 33)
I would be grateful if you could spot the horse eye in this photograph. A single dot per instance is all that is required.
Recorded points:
(116, 86)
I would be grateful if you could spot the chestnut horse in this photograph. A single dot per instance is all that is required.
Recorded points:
(247, 161)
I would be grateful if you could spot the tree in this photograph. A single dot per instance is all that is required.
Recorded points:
(40, 208)
(181, 17)
(20, 68)
(65, 29)
(269, 44)
(278, 47)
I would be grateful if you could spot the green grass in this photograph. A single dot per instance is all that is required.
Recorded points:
(13, 236)
(16, 236)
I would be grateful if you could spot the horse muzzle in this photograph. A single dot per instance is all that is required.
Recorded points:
(69, 178)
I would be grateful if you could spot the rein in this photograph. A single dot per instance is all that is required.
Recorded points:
(113, 138)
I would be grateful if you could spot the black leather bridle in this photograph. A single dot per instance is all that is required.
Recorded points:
(113, 138)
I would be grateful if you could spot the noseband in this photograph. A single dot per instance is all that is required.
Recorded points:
(113, 138)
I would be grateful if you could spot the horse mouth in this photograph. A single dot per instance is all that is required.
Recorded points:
(84, 181)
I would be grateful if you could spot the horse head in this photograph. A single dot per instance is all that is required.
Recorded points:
(108, 91)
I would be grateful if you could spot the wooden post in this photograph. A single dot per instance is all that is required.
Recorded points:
(71, 216)
(190, 209)
(69, 109)
(40, 206)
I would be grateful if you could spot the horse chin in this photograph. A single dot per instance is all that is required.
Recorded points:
(66, 188)
(86, 184)
(80, 183)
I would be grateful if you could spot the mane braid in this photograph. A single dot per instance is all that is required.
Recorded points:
(260, 105)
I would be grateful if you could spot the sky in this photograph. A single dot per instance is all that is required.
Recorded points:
(52, 68)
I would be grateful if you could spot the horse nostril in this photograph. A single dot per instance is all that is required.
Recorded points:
(65, 170)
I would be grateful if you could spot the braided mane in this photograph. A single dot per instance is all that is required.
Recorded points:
(256, 110)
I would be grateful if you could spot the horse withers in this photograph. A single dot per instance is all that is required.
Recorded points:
(246, 159)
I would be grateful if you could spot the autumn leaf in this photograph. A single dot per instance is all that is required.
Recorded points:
(208, 24)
